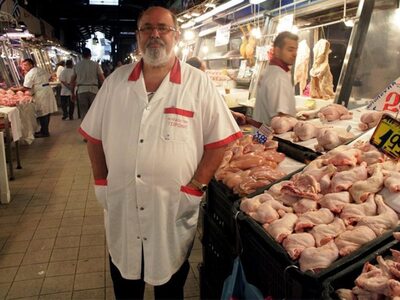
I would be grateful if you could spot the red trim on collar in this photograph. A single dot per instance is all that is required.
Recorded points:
(277, 62)
(174, 77)
(136, 71)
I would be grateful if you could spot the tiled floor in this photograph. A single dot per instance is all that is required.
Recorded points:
(51, 234)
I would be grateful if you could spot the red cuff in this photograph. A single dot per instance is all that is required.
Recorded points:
(191, 191)
(224, 142)
(100, 181)
(88, 137)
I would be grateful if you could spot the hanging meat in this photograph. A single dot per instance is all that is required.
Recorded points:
(243, 45)
(301, 66)
(321, 76)
(250, 47)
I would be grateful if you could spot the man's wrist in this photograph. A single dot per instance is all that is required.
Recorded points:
(198, 185)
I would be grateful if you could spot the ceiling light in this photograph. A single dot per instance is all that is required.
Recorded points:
(257, 1)
(210, 5)
(256, 32)
(217, 10)
(187, 16)
(195, 14)
(181, 20)
(188, 35)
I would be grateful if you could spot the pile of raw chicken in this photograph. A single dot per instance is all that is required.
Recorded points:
(248, 165)
(377, 281)
(328, 137)
(9, 98)
(334, 206)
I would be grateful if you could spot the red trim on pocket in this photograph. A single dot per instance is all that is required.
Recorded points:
(224, 142)
(88, 137)
(179, 111)
(100, 181)
(191, 191)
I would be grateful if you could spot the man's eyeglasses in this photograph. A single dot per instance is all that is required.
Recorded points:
(162, 29)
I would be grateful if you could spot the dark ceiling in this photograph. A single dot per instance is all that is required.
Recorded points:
(75, 20)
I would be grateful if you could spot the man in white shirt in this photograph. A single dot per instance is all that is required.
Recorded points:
(156, 133)
(275, 91)
(88, 75)
(37, 82)
(65, 78)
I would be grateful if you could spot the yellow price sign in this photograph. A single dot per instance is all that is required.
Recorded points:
(386, 136)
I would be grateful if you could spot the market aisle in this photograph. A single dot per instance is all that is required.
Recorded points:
(51, 234)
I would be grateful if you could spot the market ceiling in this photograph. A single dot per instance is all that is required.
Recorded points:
(76, 20)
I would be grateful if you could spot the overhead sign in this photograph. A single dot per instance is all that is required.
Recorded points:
(386, 136)
(388, 99)
(223, 34)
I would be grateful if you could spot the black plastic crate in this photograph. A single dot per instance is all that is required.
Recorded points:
(218, 253)
(345, 278)
(221, 210)
(209, 287)
(268, 266)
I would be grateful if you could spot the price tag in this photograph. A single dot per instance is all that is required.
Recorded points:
(263, 133)
(386, 136)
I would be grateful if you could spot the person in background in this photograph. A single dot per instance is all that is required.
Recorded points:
(275, 91)
(67, 104)
(200, 64)
(37, 82)
(87, 77)
(59, 69)
(157, 131)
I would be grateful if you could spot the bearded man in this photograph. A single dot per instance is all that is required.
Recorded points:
(156, 133)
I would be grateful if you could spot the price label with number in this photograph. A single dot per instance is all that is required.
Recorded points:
(386, 136)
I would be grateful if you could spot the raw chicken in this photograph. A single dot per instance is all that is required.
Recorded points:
(324, 233)
(353, 212)
(273, 155)
(247, 161)
(386, 219)
(377, 282)
(321, 76)
(343, 156)
(317, 173)
(345, 294)
(301, 65)
(282, 124)
(329, 138)
(312, 218)
(335, 202)
(360, 190)
(350, 240)
(334, 112)
(314, 259)
(297, 242)
(304, 186)
(392, 181)
(304, 131)
(370, 119)
(370, 154)
(270, 211)
(281, 228)
(342, 181)
(391, 199)
(304, 205)
(248, 205)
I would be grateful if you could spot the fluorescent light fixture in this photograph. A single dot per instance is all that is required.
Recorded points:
(187, 16)
(188, 35)
(195, 14)
(188, 24)
(217, 10)
(103, 2)
(211, 5)
(256, 1)
(181, 20)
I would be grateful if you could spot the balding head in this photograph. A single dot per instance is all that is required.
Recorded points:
(161, 9)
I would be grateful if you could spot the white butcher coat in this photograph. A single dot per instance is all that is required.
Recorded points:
(152, 150)
(275, 94)
(37, 80)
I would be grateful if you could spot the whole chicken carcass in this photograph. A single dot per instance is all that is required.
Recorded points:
(304, 131)
(350, 240)
(323, 233)
(301, 65)
(315, 259)
(386, 219)
(334, 112)
(282, 124)
(353, 212)
(329, 138)
(281, 228)
(343, 156)
(370, 119)
(295, 243)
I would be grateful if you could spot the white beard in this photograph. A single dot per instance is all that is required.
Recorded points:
(156, 57)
